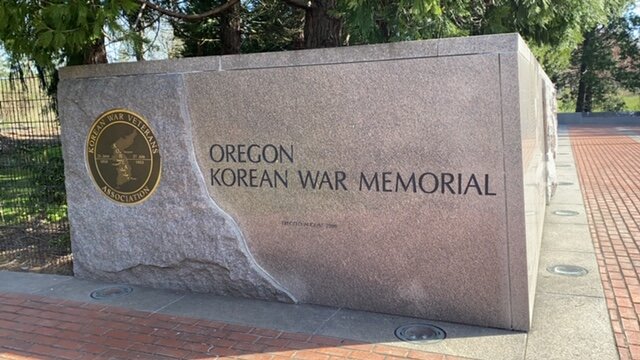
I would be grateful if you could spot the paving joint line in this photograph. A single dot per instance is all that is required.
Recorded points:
(43, 291)
(317, 330)
(573, 295)
(169, 304)
(570, 251)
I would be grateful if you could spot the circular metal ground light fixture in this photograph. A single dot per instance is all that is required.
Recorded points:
(420, 332)
(568, 270)
(111, 292)
(565, 183)
(565, 213)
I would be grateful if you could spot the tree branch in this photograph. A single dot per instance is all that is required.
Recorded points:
(135, 25)
(190, 17)
(301, 4)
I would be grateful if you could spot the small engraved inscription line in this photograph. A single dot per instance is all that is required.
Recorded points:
(309, 224)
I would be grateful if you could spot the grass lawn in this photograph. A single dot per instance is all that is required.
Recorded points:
(31, 186)
(632, 102)
(33, 211)
(34, 232)
(14, 195)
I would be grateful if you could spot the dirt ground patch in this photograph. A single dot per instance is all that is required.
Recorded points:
(35, 250)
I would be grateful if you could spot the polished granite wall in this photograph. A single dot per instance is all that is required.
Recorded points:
(428, 159)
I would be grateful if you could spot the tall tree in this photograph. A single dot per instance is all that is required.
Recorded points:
(552, 29)
(323, 22)
(231, 30)
(607, 60)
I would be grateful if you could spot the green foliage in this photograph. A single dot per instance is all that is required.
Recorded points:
(371, 21)
(44, 169)
(631, 101)
(54, 31)
(47, 167)
(15, 192)
(543, 21)
(272, 25)
(4, 64)
(540, 22)
(34, 187)
(49, 31)
(555, 59)
(199, 38)
(626, 33)
(267, 25)
(553, 27)
(61, 243)
(607, 61)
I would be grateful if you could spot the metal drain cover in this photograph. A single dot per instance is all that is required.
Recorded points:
(568, 270)
(420, 332)
(565, 183)
(111, 292)
(563, 165)
(566, 213)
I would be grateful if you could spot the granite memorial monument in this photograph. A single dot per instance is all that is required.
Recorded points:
(405, 178)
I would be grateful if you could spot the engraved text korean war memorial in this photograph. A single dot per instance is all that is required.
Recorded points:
(379, 181)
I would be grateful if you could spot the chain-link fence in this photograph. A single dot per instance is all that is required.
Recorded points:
(34, 230)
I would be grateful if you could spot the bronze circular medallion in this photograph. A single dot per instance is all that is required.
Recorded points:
(123, 156)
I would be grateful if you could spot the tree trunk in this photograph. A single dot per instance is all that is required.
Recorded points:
(96, 53)
(138, 50)
(584, 99)
(137, 43)
(230, 31)
(588, 99)
(322, 27)
(385, 33)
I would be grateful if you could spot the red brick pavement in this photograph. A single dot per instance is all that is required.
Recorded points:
(33, 327)
(608, 165)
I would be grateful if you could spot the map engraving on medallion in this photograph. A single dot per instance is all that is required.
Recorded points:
(123, 156)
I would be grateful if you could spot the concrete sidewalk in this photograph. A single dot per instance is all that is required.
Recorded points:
(46, 316)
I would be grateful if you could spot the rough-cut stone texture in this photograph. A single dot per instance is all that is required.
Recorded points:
(177, 239)
(532, 86)
(472, 105)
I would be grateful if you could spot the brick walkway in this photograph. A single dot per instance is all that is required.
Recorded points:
(33, 327)
(608, 164)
